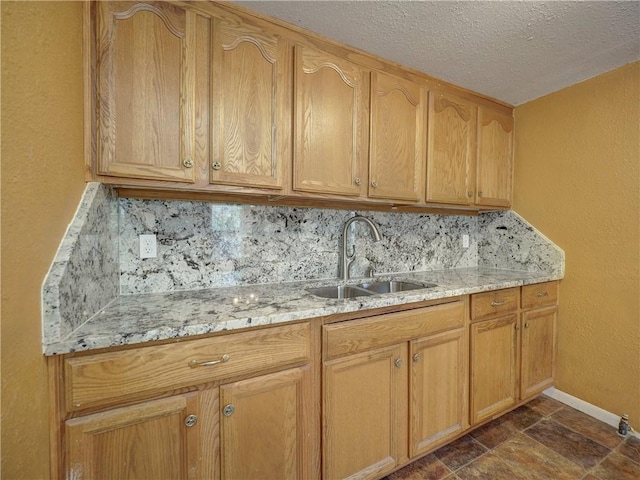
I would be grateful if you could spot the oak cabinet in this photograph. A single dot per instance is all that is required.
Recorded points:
(494, 170)
(451, 149)
(513, 350)
(438, 390)
(145, 70)
(249, 411)
(397, 140)
(330, 124)
(390, 378)
(251, 103)
(365, 406)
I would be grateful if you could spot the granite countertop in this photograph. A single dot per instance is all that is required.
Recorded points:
(135, 319)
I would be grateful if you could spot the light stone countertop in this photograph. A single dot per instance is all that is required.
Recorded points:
(136, 319)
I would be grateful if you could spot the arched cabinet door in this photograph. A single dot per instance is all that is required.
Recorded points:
(397, 148)
(330, 128)
(145, 70)
(251, 104)
(494, 177)
(451, 153)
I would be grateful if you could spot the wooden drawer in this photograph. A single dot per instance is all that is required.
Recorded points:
(369, 333)
(540, 295)
(490, 304)
(113, 377)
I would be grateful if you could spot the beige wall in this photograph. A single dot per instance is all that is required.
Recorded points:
(42, 181)
(577, 161)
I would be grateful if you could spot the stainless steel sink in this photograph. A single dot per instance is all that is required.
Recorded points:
(366, 289)
(393, 286)
(339, 291)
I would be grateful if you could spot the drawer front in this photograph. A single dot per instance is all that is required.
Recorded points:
(360, 335)
(111, 377)
(489, 304)
(540, 295)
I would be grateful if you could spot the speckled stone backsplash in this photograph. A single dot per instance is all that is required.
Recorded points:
(203, 245)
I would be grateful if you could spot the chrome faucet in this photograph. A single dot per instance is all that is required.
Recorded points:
(347, 258)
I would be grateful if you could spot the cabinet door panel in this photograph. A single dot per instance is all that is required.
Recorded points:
(146, 90)
(396, 158)
(145, 441)
(330, 123)
(365, 414)
(265, 435)
(250, 91)
(437, 386)
(493, 367)
(494, 170)
(538, 350)
(451, 155)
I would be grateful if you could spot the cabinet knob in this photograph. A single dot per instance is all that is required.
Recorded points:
(187, 162)
(374, 184)
(228, 410)
(216, 165)
(517, 327)
(526, 325)
(358, 181)
(470, 194)
(191, 420)
(480, 194)
(416, 357)
(398, 362)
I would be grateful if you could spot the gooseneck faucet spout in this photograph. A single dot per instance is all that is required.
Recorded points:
(347, 258)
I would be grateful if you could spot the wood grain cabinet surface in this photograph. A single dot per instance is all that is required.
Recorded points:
(331, 119)
(395, 386)
(204, 101)
(397, 140)
(145, 70)
(513, 353)
(251, 85)
(240, 405)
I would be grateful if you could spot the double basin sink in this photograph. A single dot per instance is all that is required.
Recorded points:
(366, 289)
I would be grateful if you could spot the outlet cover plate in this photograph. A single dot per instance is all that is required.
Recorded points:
(148, 248)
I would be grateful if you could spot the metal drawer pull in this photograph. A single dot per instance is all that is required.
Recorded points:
(187, 162)
(194, 363)
(398, 362)
(191, 420)
(542, 294)
(497, 304)
(228, 410)
(416, 357)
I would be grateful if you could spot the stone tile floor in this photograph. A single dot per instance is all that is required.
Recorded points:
(542, 440)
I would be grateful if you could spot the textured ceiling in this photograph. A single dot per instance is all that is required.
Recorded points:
(514, 51)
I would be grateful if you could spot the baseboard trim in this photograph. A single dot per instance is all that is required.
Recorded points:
(586, 407)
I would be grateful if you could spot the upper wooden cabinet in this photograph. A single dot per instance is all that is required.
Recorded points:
(251, 103)
(330, 129)
(146, 90)
(451, 149)
(397, 141)
(494, 175)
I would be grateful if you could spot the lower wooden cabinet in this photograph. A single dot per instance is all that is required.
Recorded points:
(513, 355)
(251, 414)
(149, 440)
(399, 391)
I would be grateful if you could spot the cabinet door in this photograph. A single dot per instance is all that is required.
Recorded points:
(538, 351)
(146, 441)
(494, 169)
(265, 425)
(437, 407)
(251, 90)
(365, 413)
(146, 90)
(330, 123)
(451, 149)
(397, 140)
(493, 367)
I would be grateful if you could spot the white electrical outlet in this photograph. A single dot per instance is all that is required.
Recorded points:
(465, 241)
(148, 248)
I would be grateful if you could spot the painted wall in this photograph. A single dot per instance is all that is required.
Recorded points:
(577, 161)
(42, 181)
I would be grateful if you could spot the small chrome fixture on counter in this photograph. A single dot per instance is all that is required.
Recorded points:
(346, 258)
